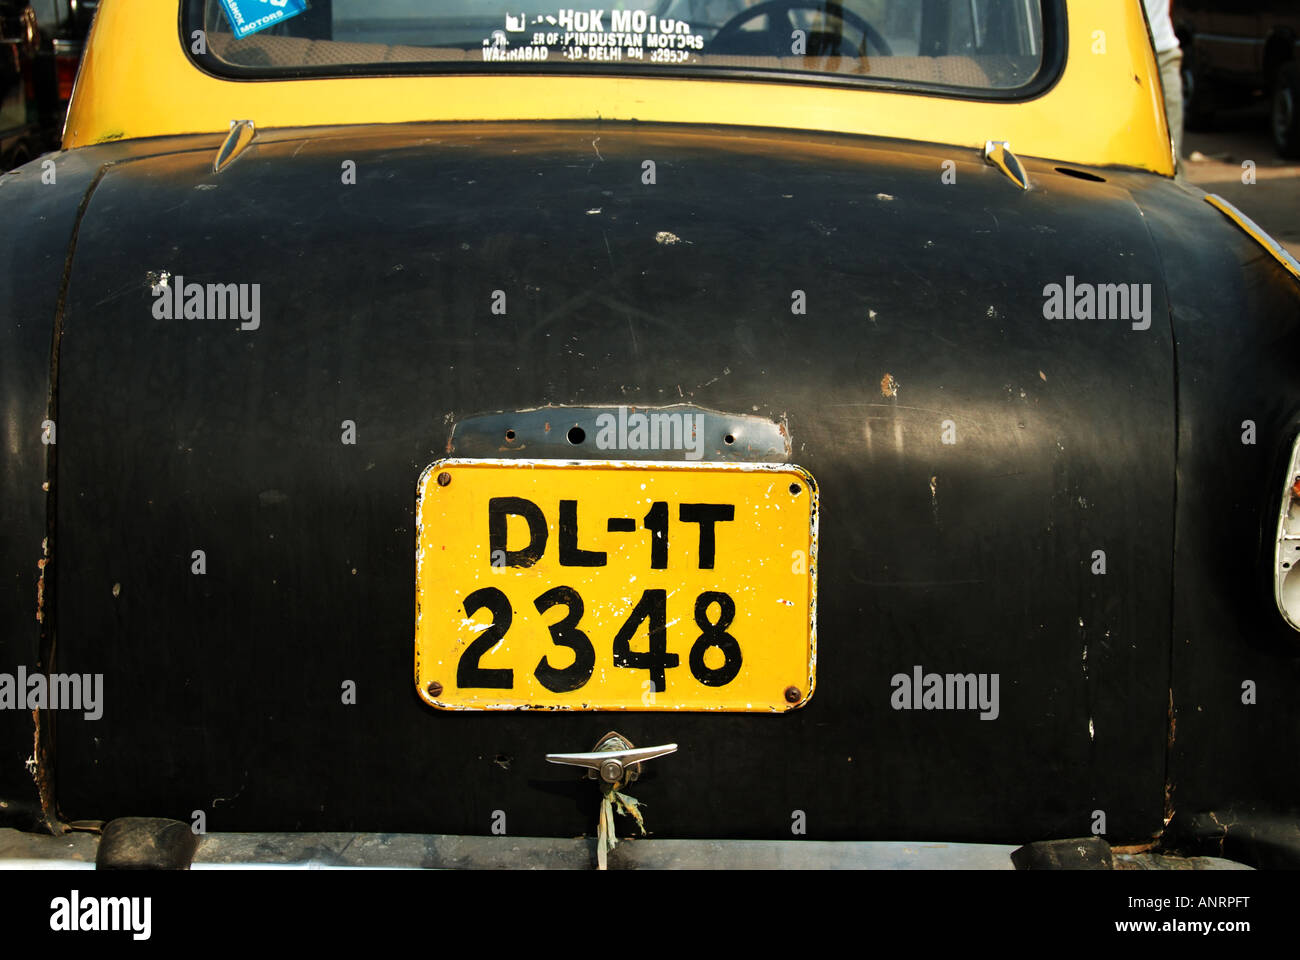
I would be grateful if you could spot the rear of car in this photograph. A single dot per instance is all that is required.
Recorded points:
(430, 403)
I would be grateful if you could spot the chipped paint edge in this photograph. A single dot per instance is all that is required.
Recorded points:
(814, 491)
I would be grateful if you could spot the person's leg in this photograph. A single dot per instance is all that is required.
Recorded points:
(1171, 77)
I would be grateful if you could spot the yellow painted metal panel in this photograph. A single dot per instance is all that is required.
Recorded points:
(137, 81)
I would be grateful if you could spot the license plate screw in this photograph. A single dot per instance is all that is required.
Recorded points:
(434, 688)
(444, 478)
(792, 695)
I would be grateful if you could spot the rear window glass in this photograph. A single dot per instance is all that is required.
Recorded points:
(982, 47)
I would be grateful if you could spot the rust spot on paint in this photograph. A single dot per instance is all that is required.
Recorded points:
(1133, 848)
(40, 580)
(40, 591)
(41, 766)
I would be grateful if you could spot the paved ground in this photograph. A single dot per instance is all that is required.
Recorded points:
(1273, 200)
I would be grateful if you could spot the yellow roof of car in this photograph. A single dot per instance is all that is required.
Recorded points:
(137, 80)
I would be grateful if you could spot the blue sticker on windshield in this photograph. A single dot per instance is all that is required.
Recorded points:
(250, 16)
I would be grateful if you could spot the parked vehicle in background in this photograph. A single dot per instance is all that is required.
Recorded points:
(21, 134)
(41, 43)
(71, 21)
(1238, 50)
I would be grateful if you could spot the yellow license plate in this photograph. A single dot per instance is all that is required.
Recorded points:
(610, 585)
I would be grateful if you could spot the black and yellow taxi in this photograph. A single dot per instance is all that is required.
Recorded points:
(426, 419)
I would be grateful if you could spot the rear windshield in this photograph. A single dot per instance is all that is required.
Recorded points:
(979, 48)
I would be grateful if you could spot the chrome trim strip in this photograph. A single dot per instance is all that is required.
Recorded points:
(1289, 262)
(997, 153)
(237, 140)
(391, 851)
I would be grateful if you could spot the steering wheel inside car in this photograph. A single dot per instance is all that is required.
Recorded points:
(776, 39)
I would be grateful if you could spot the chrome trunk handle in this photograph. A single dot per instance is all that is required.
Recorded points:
(612, 758)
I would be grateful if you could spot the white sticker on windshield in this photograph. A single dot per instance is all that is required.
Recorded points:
(593, 36)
